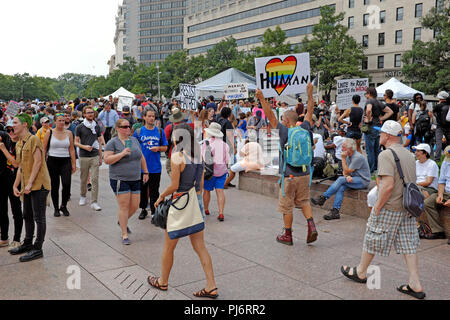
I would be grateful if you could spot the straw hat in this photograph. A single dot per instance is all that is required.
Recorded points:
(176, 116)
(214, 130)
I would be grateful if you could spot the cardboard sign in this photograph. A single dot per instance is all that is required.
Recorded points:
(124, 102)
(12, 109)
(283, 75)
(347, 88)
(188, 97)
(236, 91)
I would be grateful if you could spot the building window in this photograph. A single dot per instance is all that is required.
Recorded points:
(366, 2)
(365, 63)
(380, 62)
(351, 3)
(418, 11)
(397, 60)
(365, 41)
(399, 14)
(381, 39)
(440, 5)
(417, 33)
(383, 16)
(351, 22)
(365, 19)
(398, 36)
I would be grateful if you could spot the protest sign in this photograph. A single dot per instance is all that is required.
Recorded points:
(283, 75)
(124, 102)
(236, 91)
(347, 88)
(12, 109)
(188, 97)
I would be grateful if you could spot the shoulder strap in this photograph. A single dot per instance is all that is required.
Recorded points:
(399, 167)
(139, 134)
(49, 139)
(160, 136)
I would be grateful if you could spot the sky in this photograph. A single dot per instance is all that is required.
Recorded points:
(52, 37)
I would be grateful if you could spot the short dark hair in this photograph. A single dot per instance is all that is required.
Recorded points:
(389, 93)
(225, 112)
(372, 92)
(356, 99)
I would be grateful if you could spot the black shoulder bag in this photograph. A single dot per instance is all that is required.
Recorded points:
(209, 162)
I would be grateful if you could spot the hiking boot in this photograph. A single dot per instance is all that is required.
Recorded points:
(318, 201)
(286, 237)
(312, 232)
(333, 215)
(143, 214)
(64, 210)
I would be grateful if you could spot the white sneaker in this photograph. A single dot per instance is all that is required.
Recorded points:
(82, 201)
(96, 207)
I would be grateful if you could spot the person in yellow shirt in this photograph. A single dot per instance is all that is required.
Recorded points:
(404, 119)
(45, 122)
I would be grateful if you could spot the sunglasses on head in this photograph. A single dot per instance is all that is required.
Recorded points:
(125, 127)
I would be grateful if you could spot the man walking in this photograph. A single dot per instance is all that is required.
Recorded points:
(153, 141)
(89, 139)
(389, 223)
(109, 118)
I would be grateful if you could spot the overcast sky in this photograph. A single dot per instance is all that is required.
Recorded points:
(52, 37)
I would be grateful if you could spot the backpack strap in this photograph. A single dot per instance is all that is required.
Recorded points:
(399, 167)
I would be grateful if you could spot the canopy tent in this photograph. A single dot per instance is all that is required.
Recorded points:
(215, 86)
(401, 91)
(122, 92)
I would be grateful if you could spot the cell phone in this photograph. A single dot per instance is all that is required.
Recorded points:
(128, 144)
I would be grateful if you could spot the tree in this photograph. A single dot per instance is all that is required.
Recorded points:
(332, 50)
(427, 64)
(221, 57)
(273, 43)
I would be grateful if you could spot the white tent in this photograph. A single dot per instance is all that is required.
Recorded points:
(121, 92)
(215, 86)
(401, 91)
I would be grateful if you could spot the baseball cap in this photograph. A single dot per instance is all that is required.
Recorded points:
(44, 120)
(442, 95)
(424, 147)
(9, 123)
(126, 109)
(391, 127)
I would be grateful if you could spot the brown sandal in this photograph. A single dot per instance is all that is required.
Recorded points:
(154, 282)
(205, 294)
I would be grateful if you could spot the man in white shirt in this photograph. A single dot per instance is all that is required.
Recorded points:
(337, 145)
(319, 150)
(427, 171)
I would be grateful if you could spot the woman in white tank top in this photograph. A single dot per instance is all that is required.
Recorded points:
(61, 163)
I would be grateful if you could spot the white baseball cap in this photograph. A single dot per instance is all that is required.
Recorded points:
(442, 95)
(392, 127)
(424, 147)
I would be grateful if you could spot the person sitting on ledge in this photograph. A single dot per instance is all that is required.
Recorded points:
(356, 176)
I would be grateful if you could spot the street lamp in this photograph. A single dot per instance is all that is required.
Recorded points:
(159, 86)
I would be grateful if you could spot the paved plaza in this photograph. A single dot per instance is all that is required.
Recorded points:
(248, 263)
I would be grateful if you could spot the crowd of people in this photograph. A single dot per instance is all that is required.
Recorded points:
(44, 143)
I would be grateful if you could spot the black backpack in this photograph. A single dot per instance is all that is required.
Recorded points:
(423, 123)
(209, 162)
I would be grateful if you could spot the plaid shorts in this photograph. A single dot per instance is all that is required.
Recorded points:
(391, 227)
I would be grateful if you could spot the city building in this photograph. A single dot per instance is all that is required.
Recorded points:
(387, 28)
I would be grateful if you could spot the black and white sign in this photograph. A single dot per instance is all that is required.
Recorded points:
(346, 89)
(12, 109)
(124, 102)
(236, 91)
(188, 97)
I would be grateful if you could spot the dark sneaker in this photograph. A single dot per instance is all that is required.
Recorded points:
(436, 235)
(312, 232)
(231, 185)
(143, 214)
(285, 238)
(57, 213)
(32, 255)
(319, 201)
(333, 215)
(21, 249)
(64, 210)
(126, 242)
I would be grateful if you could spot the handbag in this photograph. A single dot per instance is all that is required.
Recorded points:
(159, 219)
(413, 199)
(365, 128)
(186, 218)
(209, 162)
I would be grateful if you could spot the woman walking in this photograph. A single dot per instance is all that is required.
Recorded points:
(124, 157)
(354, 125)
(187, 172)
(61, 162)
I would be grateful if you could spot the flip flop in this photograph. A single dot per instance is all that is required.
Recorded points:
(354, 276)
(411, 292)
(205, 294)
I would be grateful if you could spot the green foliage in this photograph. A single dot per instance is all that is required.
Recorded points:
(27, 87)
(427, 64)
(332, 50)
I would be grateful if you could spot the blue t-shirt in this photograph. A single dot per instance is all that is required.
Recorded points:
(149, 139)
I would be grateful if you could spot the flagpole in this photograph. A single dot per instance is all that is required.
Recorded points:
(318, 87)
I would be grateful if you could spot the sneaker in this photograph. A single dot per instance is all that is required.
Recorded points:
(64, 210)
(89, 187)
(221, 217)
(143, 214)
(436, 235)
(82, 201)
(13, 245)
(57, 213)
(21, 249)
(207, 212)
(31, 255)
(333, 215)
(285, 237)
(318, 201)
(231, 185)
(4, 243)
(126, 242)
(96, 207)
(312, 232)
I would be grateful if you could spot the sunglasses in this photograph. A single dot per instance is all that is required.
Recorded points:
(9, 130)
(125, 127)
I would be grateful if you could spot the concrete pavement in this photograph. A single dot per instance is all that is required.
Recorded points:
(248, 262)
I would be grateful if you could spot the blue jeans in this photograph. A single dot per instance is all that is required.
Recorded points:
(372, 139)
(339, 187)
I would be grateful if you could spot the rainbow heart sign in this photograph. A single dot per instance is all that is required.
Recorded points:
(283, 75)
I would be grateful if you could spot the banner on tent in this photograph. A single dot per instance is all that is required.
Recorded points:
(188, 97)
(12, 109)
(283, 75)
(124, 102)
(235, 91)
(348, 88)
